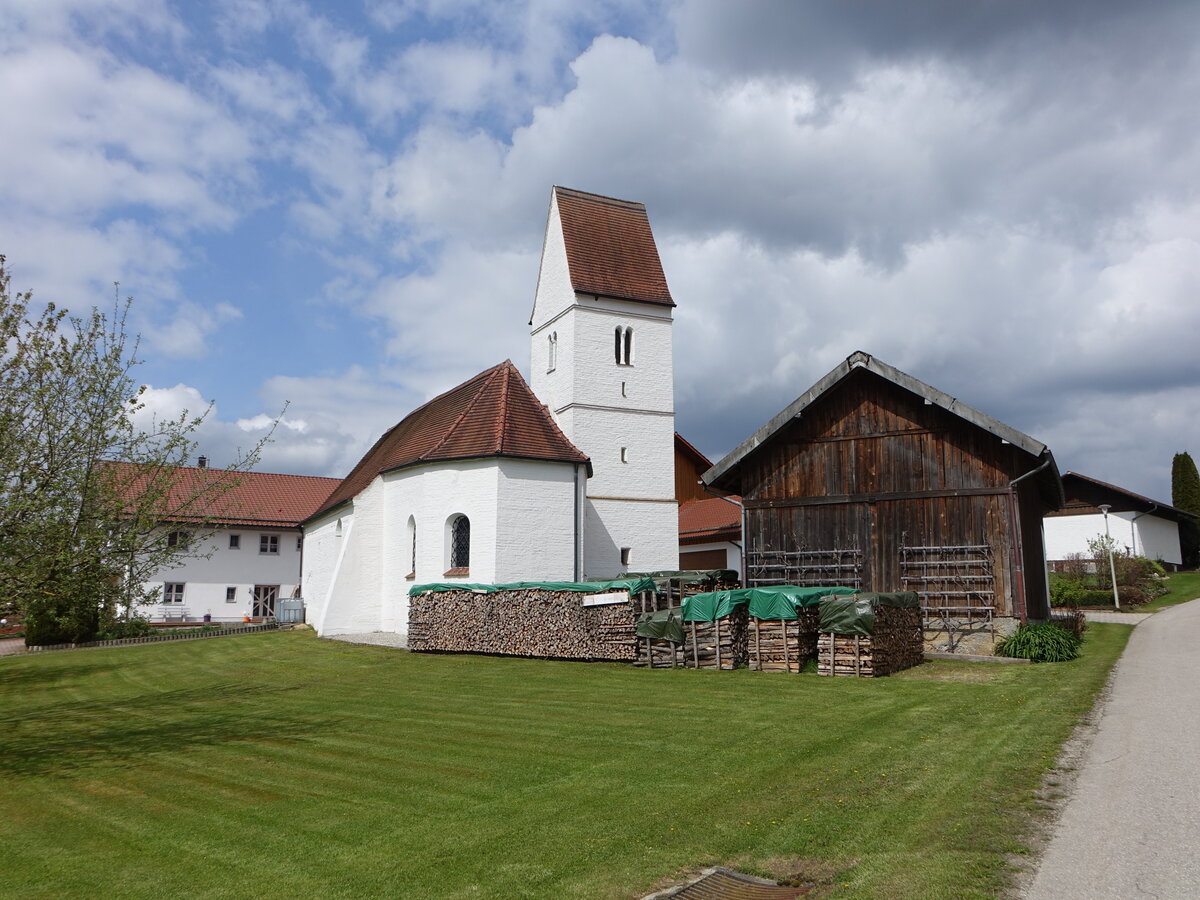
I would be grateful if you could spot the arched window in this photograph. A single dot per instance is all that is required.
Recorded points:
(460, 543)
(552, 351)
(411, 540)
(623, 345)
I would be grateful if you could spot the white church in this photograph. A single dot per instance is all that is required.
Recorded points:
(567, 478)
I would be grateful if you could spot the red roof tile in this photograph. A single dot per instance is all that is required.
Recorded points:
(493, 414)
(610, 248)
(714, 519)
(252, 499)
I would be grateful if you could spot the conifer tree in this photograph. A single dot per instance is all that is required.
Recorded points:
(1185, 495)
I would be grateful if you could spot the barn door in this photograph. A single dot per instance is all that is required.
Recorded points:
(265, 596)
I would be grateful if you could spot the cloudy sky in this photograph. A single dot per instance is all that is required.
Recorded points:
(341, 205)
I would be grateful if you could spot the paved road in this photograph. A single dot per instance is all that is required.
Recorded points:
(1132, 826)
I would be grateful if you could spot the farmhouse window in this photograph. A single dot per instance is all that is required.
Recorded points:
(173, 592)
(460, 543)
(268, 543)
(231, 595)
(177, 539)
(235, 542)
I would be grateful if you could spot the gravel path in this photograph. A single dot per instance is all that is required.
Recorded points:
(375, 638)
(1132, 825)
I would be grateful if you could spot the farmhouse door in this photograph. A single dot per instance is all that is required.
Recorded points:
(265, 596)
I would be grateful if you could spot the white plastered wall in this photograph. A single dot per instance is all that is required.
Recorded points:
(733, 553)
(1145, 535)
(207, 576)
(521, 514)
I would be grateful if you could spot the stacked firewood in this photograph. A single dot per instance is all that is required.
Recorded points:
(659, 654)
(717, 645)
(780, 645)
(896, 644)
(533, 622)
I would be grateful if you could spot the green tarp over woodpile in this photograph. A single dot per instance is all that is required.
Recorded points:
(688, 576)
(777, 601)
(632, 585)
(662, 625)
(855, 614)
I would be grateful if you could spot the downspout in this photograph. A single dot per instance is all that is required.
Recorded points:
(1019, 556)
(1133, 529)
(578, 525)
(741, 506)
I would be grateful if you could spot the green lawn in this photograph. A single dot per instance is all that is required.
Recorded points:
(1184, 586)
(278, 765)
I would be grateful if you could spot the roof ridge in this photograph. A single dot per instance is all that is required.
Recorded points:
(485, 379)
(603, 198)
(502, 419)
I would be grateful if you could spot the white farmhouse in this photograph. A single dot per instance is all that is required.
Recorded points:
(248, 552)
(567, 478)
(1143, 526)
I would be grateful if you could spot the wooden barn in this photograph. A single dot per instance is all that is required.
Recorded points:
(873, 479)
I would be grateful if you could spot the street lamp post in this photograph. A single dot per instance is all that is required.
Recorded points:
(1112, 566)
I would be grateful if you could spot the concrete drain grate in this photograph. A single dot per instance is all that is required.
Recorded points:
(726, 884)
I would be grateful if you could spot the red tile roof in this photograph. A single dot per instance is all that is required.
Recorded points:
(610, 248)
(493, 414)
(715, 519)
(252, 499)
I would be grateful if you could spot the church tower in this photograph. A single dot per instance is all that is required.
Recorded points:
(601, 361)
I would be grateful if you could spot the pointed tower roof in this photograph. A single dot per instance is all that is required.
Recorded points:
(610, 248)
(494, 414)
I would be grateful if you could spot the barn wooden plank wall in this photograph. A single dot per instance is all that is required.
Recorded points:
(870, 470)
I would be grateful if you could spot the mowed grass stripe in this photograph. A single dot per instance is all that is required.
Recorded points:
(280, 765)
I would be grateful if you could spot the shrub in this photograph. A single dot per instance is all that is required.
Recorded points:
(1072, 619)
(130, 628)
(1066, 590)
(1043, 642)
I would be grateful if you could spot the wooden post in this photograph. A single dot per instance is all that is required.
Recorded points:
(787, 660)
(757, 645)
(717, 630)
(695, 651)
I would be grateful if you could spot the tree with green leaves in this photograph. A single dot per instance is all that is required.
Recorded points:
(1185, 495)
(87, 497)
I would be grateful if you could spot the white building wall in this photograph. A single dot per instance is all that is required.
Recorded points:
(1146, 535)
(351, 604)
(649, 529)
(535, 534)
(323, 543)
(206, 580)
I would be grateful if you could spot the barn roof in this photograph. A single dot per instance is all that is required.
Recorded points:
(1085, 494)
(862, 360)
(494, 414)
(221, 497)
(610, 248)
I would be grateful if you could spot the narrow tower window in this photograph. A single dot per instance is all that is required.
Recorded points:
(552, 351)
(623, 345)
(412, 546)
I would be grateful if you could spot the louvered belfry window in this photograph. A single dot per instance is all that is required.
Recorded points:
(460, 543)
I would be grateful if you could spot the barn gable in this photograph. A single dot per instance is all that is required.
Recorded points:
(873, 479)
